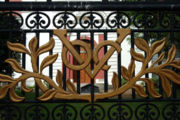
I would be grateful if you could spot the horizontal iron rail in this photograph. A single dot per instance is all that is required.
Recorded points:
(91, 30)
(100, 101)
(92, 6)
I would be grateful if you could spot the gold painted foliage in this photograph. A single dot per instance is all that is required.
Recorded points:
(57, 91)
(161, 70)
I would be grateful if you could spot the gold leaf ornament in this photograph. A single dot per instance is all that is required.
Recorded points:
(33, 44)
(137, 56)
(46, 47)
(175, 64)
(13, 96)
(6, 78)
(115, 81)
(166, 85)
(17, 47)
(49, 94)
(131, 68)
(157, 46)
(171, 75)
(140, 90)
(15, 65)
(48, 60)
(71, 86)
(151, 88)
(125, 73)
(160, 58)
(23, 85)
(59, 78)
(171, 54)
(3, 91)
(143, 45)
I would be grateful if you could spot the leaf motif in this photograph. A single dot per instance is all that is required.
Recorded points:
(59, 78)
(3, 91)
(48, 60)
(125, 73)
(157, 46)
(15, 65)
(46, 47)
(143, 45)
(49, 94)
(160, 58)
(17, 47)
(137, 56)
(140, 90)
(175, 64)
(23, 84)
(166, 85)
(131, 68)
(6, 78)
(33, 44)
(14, 97)
(171, 75)
(171, 54)
(115, 81)
(71, 86)
(151, 89)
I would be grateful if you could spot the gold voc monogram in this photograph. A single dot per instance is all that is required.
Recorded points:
(57, 91)
(91, 55)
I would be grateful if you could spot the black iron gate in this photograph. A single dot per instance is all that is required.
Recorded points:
(58, 91)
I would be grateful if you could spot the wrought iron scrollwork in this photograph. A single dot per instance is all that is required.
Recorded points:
(91, 20)
(147, 111)
(63, 19)
(37, 112)
(37, 20)
(10, 112)
(145, 20)
(16, 15)
(165, 20)
(171, 112)
(92, 112)
(64, 112)
(120, 112)
(118, 20)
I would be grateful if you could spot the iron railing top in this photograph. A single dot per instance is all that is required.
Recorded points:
(92, 6)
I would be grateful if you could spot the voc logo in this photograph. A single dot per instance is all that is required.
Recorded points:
(92, 55)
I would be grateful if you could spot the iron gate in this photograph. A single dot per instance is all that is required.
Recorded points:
(87, 28)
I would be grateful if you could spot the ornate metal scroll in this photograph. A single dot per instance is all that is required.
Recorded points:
(58, 92)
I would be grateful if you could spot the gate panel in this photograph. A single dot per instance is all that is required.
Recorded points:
(128, 89)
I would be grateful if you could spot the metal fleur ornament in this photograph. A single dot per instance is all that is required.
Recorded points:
(57, 91)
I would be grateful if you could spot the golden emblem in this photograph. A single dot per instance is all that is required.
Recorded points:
(128, 73)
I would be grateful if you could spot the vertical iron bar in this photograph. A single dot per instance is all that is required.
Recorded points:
(9, 39)
(78, 72)
(6, 0)
(105, 1)
(49, 1)
(173, 84)
(23, 57)
(160, 85)
(132, 46)
(105, 72)
(50, 53)
(92, 67)
(64, 77)
(36, 86)
(146, 75)
(119, 71)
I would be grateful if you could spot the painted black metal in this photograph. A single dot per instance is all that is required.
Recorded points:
(83, 6)
(144, 18)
